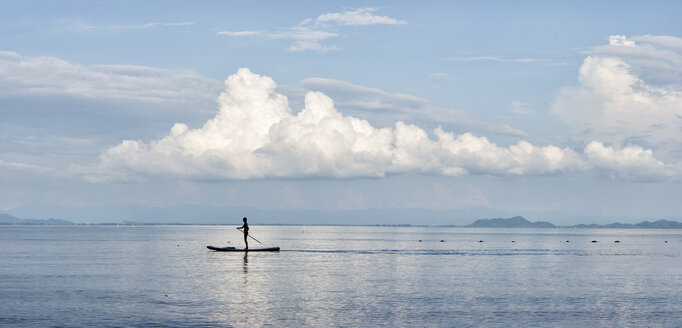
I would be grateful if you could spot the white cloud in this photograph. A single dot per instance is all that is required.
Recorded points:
(303, 33)
(255, 135)
(620, 40)
(29, 168)
(147, 25)
(629, 163)
(492, 58)
(520, 107)
(10, 54)
(439, 76)
(614, 104)
(357, 17)
(52, 76)
(238, 33)
(299, 46)
(305, 38)
(310, 34)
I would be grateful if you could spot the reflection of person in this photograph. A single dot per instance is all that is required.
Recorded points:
(245, 230)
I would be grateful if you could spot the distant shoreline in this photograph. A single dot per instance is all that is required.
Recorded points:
(507, 223)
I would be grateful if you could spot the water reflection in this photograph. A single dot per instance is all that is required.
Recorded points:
(245, 266)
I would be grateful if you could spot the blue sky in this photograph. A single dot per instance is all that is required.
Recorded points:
(566, 112)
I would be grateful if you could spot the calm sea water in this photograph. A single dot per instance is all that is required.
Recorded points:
(339, 276)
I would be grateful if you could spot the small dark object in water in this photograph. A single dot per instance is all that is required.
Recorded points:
(594, 241)
(480, 241)
(420, 240)
(616, 241)
(513, 241)
(568, 241)
(666, 241)
(442, 241)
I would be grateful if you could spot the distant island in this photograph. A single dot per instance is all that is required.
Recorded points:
(515, 222)
(6, 219)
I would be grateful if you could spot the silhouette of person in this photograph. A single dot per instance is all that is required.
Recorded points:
(245, 230)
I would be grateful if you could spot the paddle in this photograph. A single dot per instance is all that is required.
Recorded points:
(239, 228)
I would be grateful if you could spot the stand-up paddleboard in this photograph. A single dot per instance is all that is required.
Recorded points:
(233, 249)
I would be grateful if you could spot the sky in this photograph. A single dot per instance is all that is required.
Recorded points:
(382, 112)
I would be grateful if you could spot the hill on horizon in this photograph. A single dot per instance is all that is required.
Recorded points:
(514, 222)
(6, 219)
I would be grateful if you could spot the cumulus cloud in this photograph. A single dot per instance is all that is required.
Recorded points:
(53, 76)
(629, 163)
(613, 103)
(256, 135)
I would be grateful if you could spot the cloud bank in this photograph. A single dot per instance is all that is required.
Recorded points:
(255, 135)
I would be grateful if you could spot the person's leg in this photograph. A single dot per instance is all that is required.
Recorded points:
(246, 241)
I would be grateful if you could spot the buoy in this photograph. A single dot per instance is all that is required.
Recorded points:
(303, 230)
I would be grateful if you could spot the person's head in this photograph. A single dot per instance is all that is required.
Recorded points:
(244, 219)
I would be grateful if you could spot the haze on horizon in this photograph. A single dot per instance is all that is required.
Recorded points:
(457, 111)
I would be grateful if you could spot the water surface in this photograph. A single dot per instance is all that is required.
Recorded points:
(339, 276)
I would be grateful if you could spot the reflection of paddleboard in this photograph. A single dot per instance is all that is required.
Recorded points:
(232, 249)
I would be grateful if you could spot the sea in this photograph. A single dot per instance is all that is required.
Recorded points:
(339, 276)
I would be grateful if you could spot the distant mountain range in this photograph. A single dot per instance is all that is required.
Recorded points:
(513, 222)
(520, 222)
(660, 224)
(6, 219)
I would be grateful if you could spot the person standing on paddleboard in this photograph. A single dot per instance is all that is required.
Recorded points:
(245, 230)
